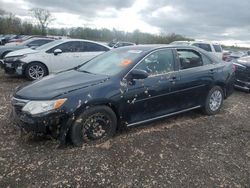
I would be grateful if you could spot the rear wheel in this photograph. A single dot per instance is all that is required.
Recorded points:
(35, 71)
(94, 125)
(214, 101)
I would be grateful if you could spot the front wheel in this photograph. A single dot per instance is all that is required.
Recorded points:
(35, 71)
(95, 125)
(214, 101)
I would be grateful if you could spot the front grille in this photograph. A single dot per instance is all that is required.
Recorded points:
(243, 74)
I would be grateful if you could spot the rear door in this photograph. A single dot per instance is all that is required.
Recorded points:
(152, 97)
(90, 50)
(196, 73)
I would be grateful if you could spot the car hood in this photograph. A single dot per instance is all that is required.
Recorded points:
(55, 85)
(244, 61)
(21, 52)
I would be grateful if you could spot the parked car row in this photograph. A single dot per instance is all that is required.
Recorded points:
(121, 87)
(30, 43)
(231, 56)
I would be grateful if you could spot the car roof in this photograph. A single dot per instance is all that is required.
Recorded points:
(83, 40)
(205, 42)
(150, 47)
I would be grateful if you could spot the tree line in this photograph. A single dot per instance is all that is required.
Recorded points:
(10, 24)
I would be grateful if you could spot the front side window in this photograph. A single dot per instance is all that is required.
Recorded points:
(68, 47)
(159, 62)
(206, 60)
(189, 59)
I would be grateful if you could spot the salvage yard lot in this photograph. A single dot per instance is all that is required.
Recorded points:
(190, 150)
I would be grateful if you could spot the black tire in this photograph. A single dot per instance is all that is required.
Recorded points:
(84, 128)
(211, 108)
(35, 66)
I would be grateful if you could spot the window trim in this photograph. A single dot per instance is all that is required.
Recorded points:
(156, 50)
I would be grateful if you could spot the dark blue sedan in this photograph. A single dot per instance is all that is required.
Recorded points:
(123, 87)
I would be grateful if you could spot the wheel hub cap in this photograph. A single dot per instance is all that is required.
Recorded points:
(215, 100)
(36, 72)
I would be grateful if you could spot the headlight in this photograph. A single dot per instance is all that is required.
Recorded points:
(14, 58)
(37, 107)
(242, 61)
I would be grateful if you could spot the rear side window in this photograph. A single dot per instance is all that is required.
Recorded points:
(203, 46)
(217, 48)
(159, 62)
(206, 60)
(92, 47)
(189, 59)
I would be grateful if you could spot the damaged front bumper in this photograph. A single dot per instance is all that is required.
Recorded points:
(47, 123)
(13, 67)
(242, 85)
(40, 124)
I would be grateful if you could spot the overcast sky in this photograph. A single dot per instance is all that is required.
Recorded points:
(226, 21)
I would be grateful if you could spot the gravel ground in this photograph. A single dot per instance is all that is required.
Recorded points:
(189, 150)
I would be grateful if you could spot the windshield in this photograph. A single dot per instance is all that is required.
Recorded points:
(26, 42)
(49, 45)
(111, 63)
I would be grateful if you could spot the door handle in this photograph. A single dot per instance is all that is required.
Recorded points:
(173, 79)
(211, 71)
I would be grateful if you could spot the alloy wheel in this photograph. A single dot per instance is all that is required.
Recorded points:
(215, 100)
(36, 72)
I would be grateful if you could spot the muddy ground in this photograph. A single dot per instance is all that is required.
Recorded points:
(189, 150)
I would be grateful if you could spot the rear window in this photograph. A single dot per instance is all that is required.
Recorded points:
(217, 48)
(203, 46)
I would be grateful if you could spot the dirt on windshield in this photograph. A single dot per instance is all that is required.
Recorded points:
(188, 150)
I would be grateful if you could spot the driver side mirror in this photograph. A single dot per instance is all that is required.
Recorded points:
(137, 74)
(33, 47)
(57, 51)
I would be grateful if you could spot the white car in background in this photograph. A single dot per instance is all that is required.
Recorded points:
(52, 57)
(210, 47)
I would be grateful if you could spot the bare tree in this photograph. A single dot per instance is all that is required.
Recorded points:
(43, 17)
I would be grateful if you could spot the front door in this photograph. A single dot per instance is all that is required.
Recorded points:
(150, 98)
(69, 58)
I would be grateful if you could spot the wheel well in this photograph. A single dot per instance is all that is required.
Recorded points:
(37, 62)
(223, 87)
(114, 110)
(110, 105)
